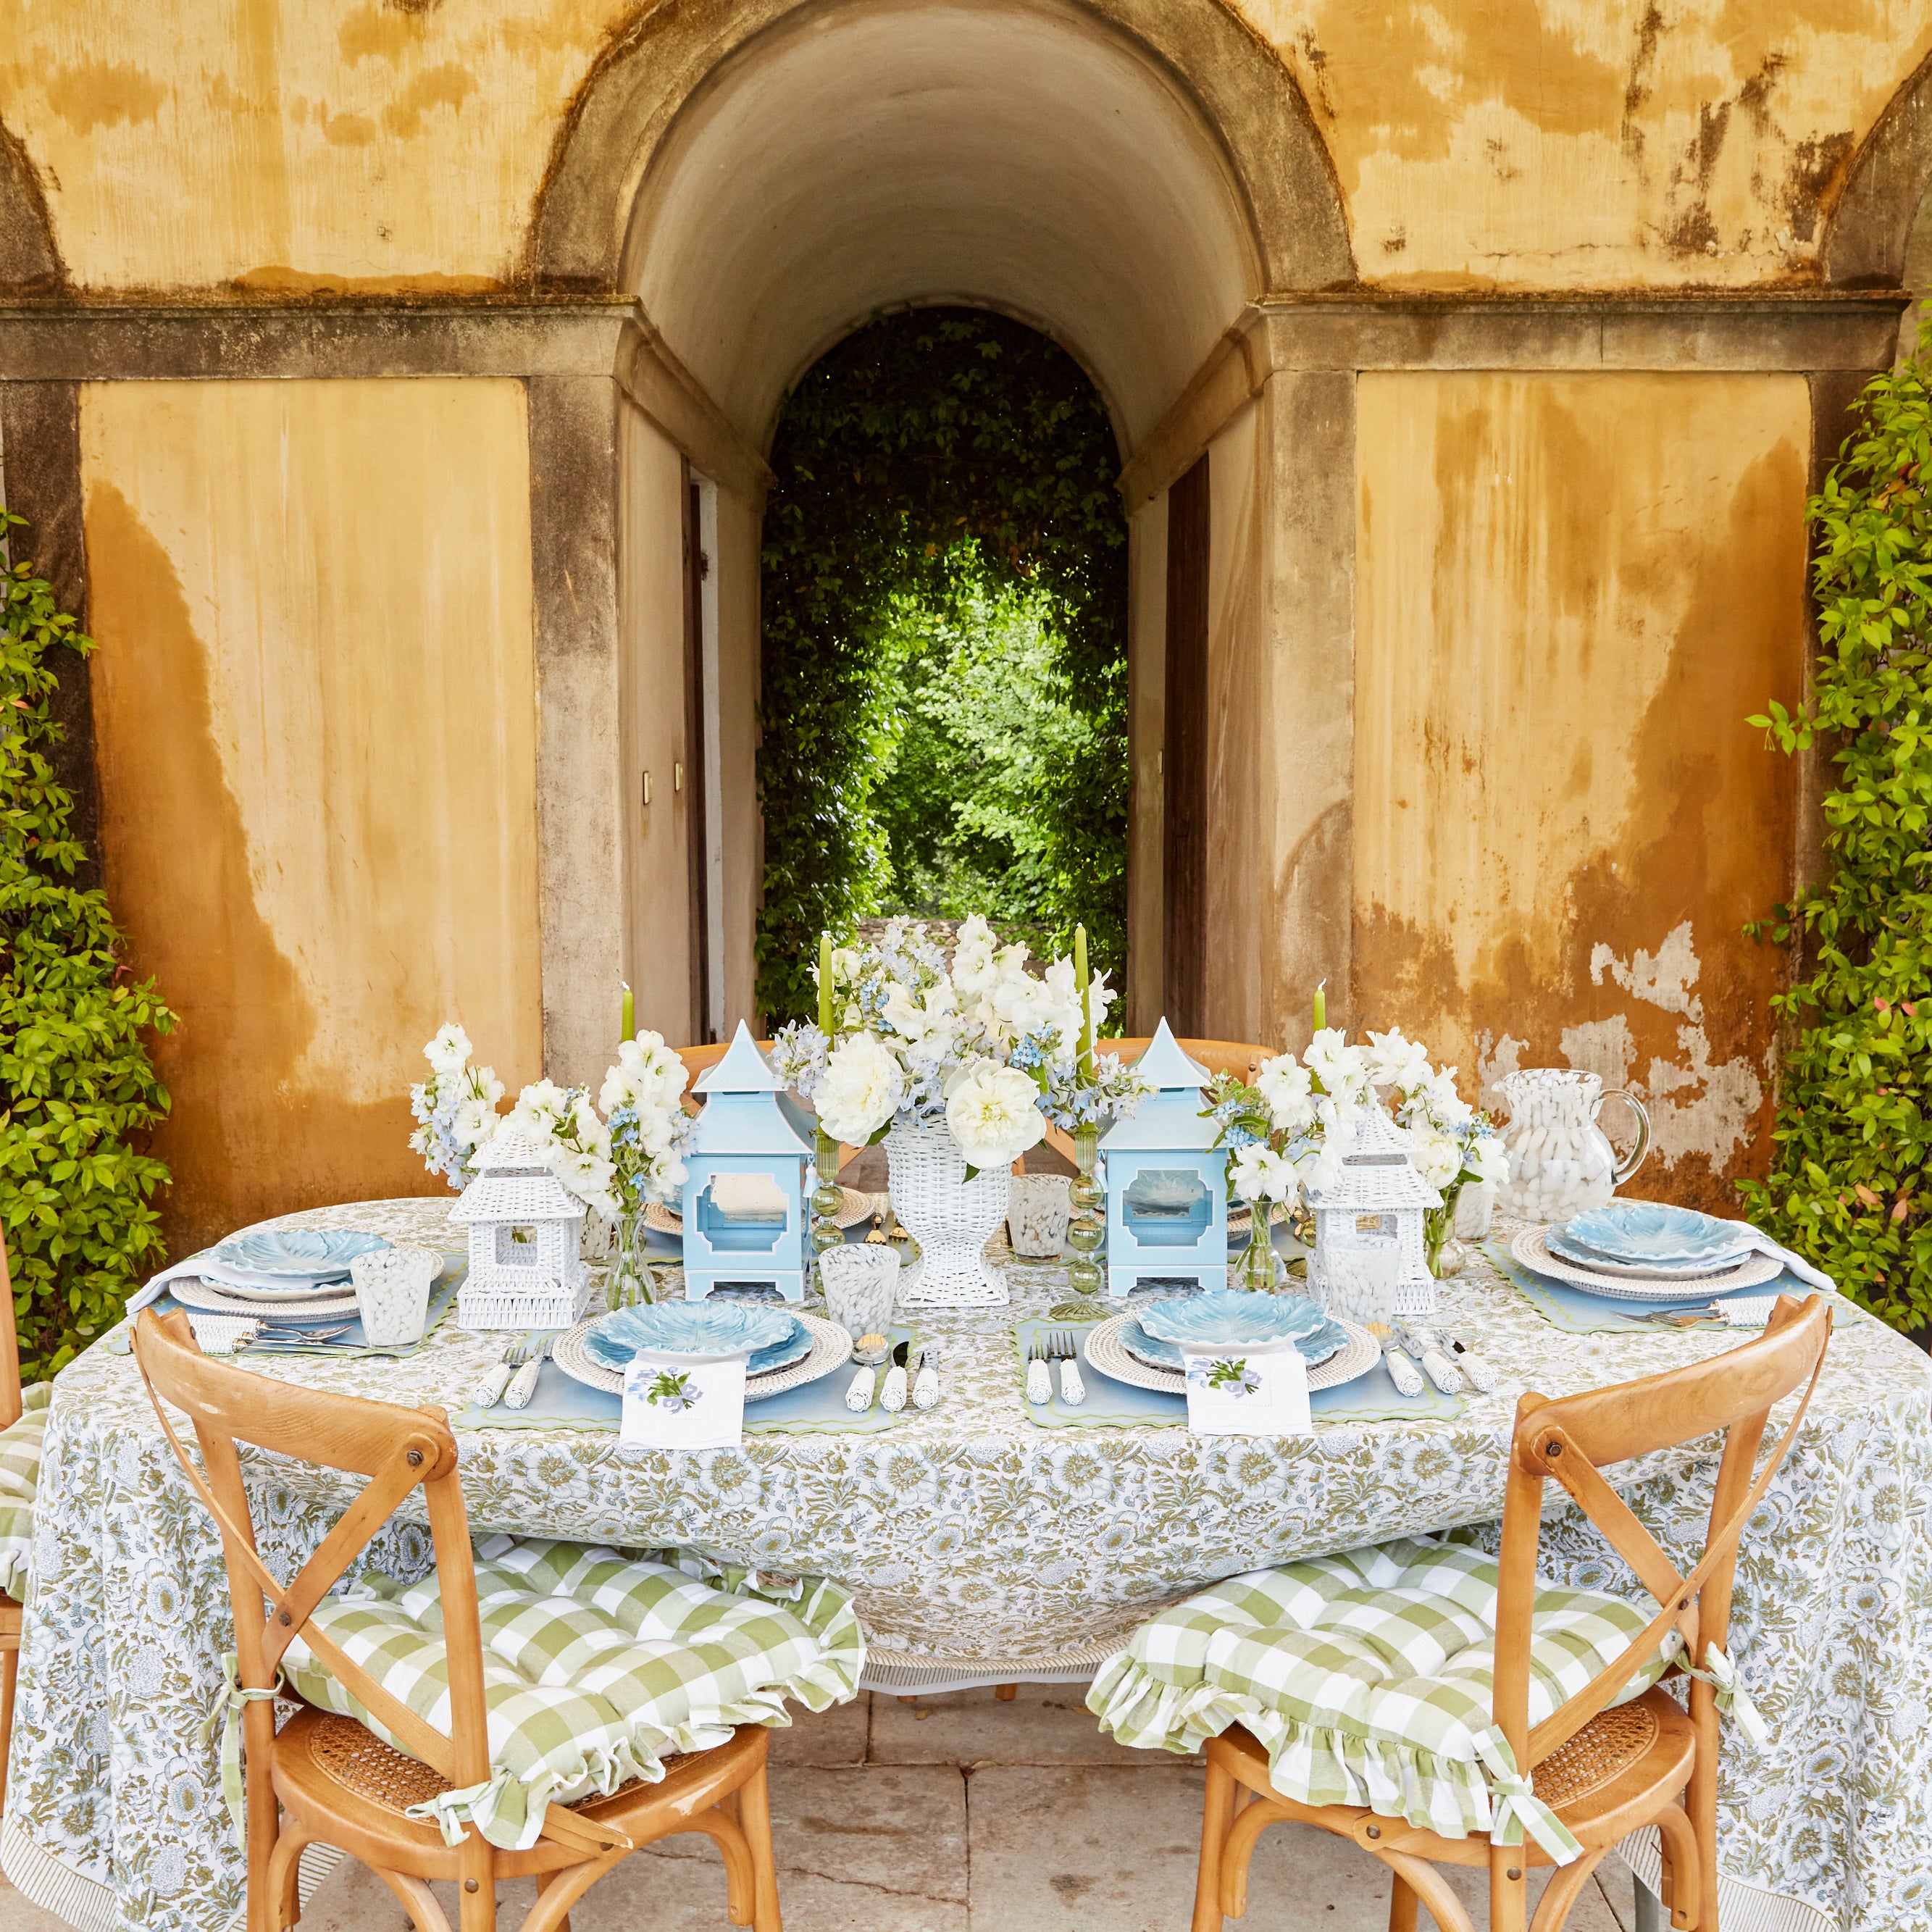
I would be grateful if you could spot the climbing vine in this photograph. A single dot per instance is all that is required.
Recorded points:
(1849, 1186)
(934, 460)
(76, 1086)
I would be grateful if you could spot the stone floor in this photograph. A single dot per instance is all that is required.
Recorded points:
(960, 1813)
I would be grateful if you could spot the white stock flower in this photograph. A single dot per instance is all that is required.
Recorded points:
(1342, 1069)
(1445, 1106)
(1488, 1159)
(993, 1113)
(861, 1089)
(450, 1049)
(1287, 1088)
(972, 955)
(1258, 1173)
(475, 1121)
(1394, 1061)
(648, 1074)
(540, 1109)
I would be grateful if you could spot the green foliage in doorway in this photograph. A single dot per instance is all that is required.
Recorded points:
(1849, 1186)
(944, 687)
(78, 1091)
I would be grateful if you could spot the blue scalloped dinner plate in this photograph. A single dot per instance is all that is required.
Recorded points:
(299, 1254)
(698, 1328)
(1648, 1233)
(1227, 1317)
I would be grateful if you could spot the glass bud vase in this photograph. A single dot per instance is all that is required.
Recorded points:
(1438, 1224)
(632, 1283)
(827, 1198)
(1085, 1230)
(1254, 1273)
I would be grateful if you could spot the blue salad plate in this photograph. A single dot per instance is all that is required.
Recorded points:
(1649, 1234)
(307, 1254)
(771, 1337)
(1227, 1318)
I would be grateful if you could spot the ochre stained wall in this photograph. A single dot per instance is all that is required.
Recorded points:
(1572, 592)
(314, 712)
(1477, 143)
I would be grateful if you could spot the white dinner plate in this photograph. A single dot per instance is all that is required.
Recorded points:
(831, 1345)
(1530, 1249)
(213, 1297)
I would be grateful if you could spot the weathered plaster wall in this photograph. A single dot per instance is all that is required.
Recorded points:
(735, 568)
(1572, 590)
(1536, 143)
(314, 717)
(1146, 727)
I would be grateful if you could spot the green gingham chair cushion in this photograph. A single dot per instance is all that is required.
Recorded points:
(1367, 1678)
(19, 1480)
(596, 1666)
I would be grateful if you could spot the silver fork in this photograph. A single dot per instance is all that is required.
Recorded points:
(1039, 1380)
(489, 1390)
(271, 1338)
(1061, 1348)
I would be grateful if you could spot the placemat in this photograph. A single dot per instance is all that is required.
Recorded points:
(1111, 1404)
(442, 1300)
(1577, 1311)
(561, 1402)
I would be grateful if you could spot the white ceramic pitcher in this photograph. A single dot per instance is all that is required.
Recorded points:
(1560, 1163)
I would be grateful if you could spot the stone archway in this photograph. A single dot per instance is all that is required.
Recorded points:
(1136, 177)
(1869, 227)
(30, 264)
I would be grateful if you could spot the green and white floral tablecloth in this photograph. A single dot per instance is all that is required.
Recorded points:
(979, 1548)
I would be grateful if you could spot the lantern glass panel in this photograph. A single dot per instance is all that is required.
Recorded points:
(757, 1232)
(1166, 1208)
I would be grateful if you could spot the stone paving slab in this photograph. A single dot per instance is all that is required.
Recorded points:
(1044, 1724)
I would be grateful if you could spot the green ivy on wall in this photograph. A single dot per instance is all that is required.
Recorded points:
(78, 1089)
(1849, 1188)
(934, 460)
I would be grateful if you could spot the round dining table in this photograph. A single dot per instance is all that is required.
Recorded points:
(986, 1541)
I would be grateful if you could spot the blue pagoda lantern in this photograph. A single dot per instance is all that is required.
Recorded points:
(744, 1178)
(1167, 1183)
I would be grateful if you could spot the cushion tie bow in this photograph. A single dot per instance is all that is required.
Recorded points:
(1518, 1807)
(1732, 1700)
(232, 1699)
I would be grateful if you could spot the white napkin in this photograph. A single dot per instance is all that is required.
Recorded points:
(742, 1194)
(1759, 1242)
(204, 1267)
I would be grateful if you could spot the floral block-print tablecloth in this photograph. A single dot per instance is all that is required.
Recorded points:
(980, 1547)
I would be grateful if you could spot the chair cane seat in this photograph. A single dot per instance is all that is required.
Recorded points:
(1607, 1747)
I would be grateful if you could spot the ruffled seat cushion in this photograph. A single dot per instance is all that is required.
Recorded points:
(596, 1666)
(19, 1481)
(1367, 1677)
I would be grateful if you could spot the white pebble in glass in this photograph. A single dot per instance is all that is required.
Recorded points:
(392, 1287)
(860, 1281)
(1362, 1277)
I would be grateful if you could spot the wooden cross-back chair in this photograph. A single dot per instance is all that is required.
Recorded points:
(1605, 1771)
(337, 1782)
(10, 1610)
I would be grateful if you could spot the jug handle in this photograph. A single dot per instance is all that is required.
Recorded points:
(1625, 1169)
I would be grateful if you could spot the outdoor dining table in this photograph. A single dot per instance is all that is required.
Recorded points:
(981, 1546)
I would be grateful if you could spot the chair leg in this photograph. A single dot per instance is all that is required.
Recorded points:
(1683, 1861)
(1700, 1805)
(1561, 1893)
(720, 1825)
(1402, 1904)
(419, 1901)
(476, 1897)
(754, 1814)
(284, 1881)
(1509, 1870)
(1217, 1813)
(9, 1673)
(544, 1881)
(1006, 1693)
(1430, 1887)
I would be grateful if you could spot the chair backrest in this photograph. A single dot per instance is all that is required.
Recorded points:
(1570, 1438)
(10, 1348)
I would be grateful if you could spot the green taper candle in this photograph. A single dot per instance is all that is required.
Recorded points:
(1081, 980)
(628, 1028)
(825, 984)
(1321, 1006)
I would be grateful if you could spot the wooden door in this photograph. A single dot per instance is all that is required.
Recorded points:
(1184, 758)
(690, 775)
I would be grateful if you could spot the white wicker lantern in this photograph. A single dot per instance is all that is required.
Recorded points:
(524, 1226)
(1368, 1229)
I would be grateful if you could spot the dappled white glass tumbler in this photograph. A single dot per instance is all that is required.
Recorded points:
(392, 1287)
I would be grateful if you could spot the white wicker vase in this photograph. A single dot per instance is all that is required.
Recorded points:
(951, 1218)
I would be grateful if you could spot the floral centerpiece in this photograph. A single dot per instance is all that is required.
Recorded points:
(614, 1166)
(1290, 1128)
(957, 1065)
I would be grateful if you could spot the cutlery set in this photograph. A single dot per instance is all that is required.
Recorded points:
(1411, 1351)
(1060, 1345)
(514, 1379)
(921, 1372)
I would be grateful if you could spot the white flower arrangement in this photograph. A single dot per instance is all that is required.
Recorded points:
(648, 1128)
(456, 1105)
(987, 1046)
(613, 1168)
(1290, 1129)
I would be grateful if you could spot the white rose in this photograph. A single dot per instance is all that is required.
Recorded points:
(1436, 1158)
(994, 1117)
(1286, 1086)
(450, 1049)
(861, 1089)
